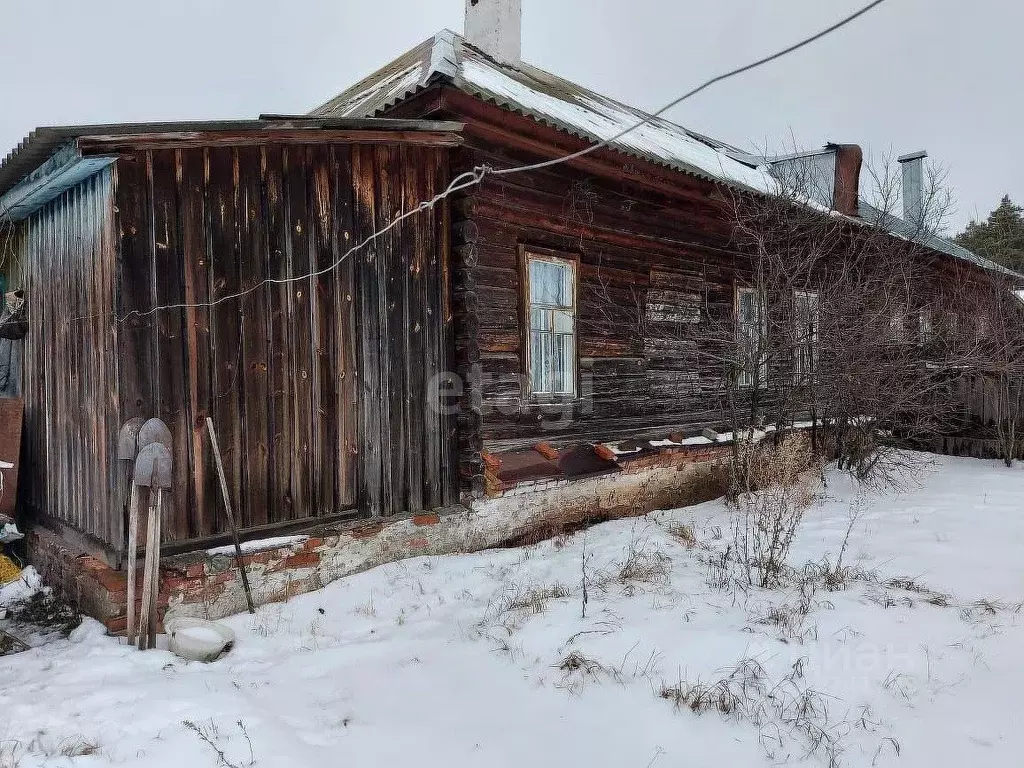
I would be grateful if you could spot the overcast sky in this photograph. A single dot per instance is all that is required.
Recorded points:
(941, 75)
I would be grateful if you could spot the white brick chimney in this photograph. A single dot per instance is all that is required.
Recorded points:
(495, 27)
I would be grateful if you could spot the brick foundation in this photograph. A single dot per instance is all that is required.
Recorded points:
(208, 585)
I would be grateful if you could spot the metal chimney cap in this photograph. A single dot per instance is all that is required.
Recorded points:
(919, 155)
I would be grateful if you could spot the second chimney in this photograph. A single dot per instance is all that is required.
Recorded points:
(495, 27)
(913, 187)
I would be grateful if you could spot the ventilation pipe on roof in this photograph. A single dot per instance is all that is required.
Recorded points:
(913, 187)
(495, 27)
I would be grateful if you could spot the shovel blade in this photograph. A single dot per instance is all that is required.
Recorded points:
(128, 439)
(155, 431)
(153, 466)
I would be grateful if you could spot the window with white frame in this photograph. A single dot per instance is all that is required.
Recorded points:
(898, 324)
(805, 335)
(750, 333)
(551, 290)
(925, 326)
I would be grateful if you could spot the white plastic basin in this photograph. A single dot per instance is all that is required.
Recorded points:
(198, 639)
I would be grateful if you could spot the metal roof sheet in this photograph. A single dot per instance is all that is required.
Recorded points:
(902, 228)
(548, 99)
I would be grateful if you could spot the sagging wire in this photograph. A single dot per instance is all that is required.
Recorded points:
(463, 181)
(478, 174)
(690, 94)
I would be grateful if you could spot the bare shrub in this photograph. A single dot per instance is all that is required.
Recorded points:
(778, 480)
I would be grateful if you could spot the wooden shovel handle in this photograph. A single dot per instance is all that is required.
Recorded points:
(132, 557)
(148, 576)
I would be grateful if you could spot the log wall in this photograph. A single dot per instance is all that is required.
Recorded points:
(656, 270)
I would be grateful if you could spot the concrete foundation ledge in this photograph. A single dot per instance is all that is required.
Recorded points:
(207, 584)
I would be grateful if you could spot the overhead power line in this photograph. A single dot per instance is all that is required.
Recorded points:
(477, 175)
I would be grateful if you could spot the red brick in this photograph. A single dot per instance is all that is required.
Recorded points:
(366, 531)
(116, 625)
(302, 560)
(418, 543)
(181, 584)
(261, 558)
(604, 452)
(112, 581)
(195, 570)
(491, 461)
(312, 543)
(544, 449)
(429, 518)
(222, 578)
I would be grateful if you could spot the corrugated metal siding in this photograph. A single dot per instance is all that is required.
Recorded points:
(70, 362)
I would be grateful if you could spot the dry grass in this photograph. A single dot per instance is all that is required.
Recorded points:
(210, 734)
(685, 534)
(529, 599)
(14, 751)
(646, 566)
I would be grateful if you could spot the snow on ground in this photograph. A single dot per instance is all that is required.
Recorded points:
(487, 659)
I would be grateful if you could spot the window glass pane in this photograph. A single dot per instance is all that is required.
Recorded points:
(537, 378)
(550, 283)
(565, 372)
(567, 286)
(563, 322)
(746, 307)
(540, 319)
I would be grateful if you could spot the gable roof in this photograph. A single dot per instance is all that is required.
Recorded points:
(562, 104)
(551, 100)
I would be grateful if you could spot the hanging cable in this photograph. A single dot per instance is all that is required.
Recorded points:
(478, 174)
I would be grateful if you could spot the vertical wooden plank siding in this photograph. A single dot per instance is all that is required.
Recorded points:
(346, 378)
(318, 387)
(148, 298)
(66, 252)
(254, 369)
(368, 335)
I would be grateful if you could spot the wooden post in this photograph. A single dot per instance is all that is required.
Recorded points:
(230, 514)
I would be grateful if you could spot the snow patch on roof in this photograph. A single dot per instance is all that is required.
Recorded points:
(603, 120)
(388, 91)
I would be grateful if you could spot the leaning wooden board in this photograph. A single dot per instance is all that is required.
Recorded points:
(12, 413)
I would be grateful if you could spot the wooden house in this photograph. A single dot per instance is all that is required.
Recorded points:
(643, 226)
(375, 366)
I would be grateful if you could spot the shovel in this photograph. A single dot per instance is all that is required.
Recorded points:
(153, 470)
(155, 431)
(127, 448)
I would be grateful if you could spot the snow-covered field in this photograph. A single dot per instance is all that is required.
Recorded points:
(488, 659)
